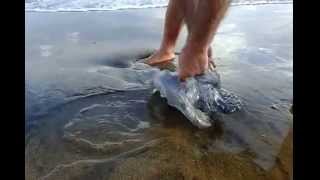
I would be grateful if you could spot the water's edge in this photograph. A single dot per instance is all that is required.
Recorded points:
(139, 6)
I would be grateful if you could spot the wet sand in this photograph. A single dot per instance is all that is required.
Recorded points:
(92, 115)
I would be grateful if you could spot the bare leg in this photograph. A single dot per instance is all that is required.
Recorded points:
(194, 56)
(173, 23)
(190, 10)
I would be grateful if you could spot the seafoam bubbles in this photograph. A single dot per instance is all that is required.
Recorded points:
(265, 50)
(45, 50)
(225, 45)
(226, 28)
(73, 37)
(87, 5)
(90, 5)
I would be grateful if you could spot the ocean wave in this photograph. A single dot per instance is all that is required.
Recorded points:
(110, 5)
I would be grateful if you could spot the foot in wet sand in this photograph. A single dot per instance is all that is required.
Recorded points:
(192, 62)
(160, 56)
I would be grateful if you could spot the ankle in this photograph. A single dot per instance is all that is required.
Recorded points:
(167, 49)
(166, 52)
(196, 49)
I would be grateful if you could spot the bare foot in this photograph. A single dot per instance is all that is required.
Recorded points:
(160, 57)
(211, 63)
(192, 62)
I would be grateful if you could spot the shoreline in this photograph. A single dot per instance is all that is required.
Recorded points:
(155, 7)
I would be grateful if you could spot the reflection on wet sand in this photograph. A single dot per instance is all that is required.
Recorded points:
(283, 169)
(95, 144)
(184, 152)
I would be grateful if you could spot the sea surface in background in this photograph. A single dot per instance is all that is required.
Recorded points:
(91, 113)
(102, 5)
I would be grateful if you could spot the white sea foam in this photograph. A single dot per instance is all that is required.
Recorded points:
(109, 5)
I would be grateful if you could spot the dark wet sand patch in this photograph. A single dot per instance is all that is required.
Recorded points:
(180, 157)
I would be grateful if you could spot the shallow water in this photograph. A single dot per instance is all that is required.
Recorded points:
(91, 113)
(110, 5)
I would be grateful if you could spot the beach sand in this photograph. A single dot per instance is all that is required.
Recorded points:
(91, 115)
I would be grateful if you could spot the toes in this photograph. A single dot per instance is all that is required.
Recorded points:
(211, 64)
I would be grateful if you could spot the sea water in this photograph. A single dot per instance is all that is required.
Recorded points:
(102, 5)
